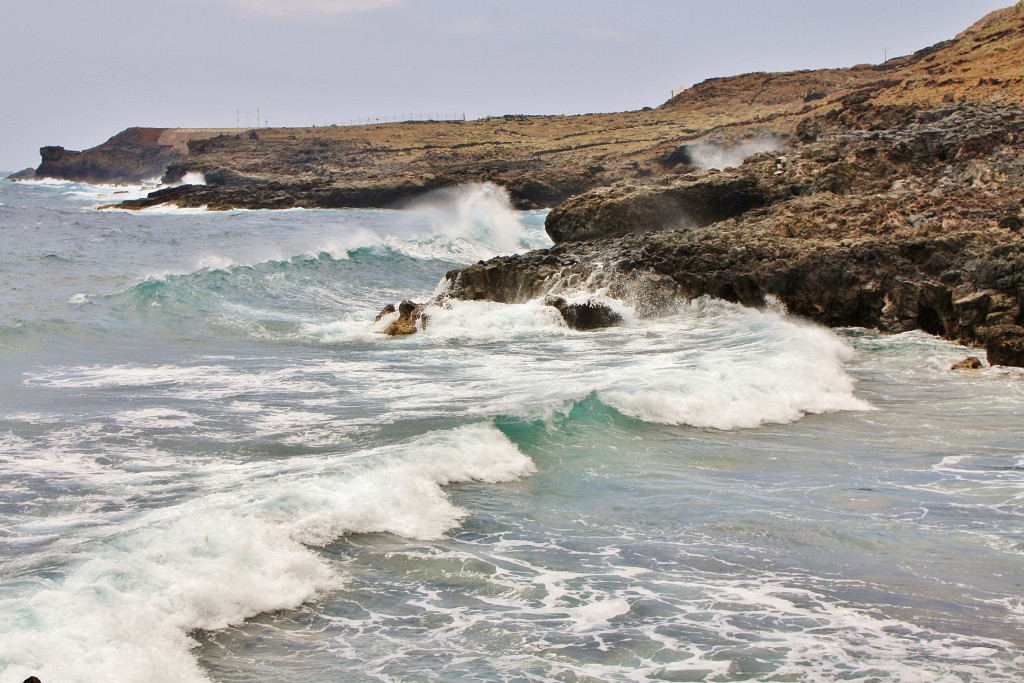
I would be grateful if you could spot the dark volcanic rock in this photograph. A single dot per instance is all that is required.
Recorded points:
(630, 208)
(587, 315)
(1004, 345)
(274, 195)
(898, 225)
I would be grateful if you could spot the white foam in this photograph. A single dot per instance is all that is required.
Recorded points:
(193, 178)
(712, 365)
(486, 321)
(784, 371)
(156, 418)
(124, 610)
(168, 209)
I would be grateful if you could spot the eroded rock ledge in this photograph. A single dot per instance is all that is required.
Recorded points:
(884, 217)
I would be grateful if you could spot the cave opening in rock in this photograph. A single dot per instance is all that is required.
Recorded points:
(930, 321)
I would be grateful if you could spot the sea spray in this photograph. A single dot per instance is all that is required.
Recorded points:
(711, 364)
(708, 155)
(480, 213)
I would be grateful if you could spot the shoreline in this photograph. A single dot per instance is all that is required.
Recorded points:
(881, 196)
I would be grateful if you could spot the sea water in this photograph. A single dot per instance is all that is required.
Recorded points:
(216, 468)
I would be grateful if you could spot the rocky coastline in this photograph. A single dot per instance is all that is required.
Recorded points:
(885, 196)
(883, 217)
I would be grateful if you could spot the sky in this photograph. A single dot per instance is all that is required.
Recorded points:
(73, 73)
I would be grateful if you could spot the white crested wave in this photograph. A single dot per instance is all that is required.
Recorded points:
(712, 364)
(125, 610)
(737, 387)
(480, 213)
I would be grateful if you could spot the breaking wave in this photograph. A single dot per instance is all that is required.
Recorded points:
(124, 611)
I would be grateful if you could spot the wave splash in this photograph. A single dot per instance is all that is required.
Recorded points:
(124, 613)
(711, 364)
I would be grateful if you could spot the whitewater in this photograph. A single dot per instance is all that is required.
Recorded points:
(216, 468)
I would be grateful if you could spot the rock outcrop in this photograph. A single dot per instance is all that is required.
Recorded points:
(409, 314)
(969, 363)
(584, 315)
(131, 156)
(878, 216)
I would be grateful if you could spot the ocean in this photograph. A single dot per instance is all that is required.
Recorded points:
(216, 468)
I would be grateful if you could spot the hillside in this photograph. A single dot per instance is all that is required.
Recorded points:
(546, 159)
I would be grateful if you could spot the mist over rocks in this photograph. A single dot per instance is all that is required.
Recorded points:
(24, 174)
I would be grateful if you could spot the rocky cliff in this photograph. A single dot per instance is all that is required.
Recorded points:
(130, 156)
(876, 216)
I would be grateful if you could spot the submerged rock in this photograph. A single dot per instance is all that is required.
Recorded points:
(969, 363)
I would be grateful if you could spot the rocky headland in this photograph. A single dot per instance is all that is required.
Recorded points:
(885, 196)
(880, 216)
(899, 208)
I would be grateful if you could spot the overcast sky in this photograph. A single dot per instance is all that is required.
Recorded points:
(75, 72)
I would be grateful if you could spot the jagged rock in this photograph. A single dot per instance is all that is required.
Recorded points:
(587, 315)
(630, 208)
(26, 174)
(387, 310)
(909, 238)
(969, 363)
(408, 312)
(1004, 344)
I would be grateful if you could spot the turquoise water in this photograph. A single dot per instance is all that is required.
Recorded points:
(216, 468)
